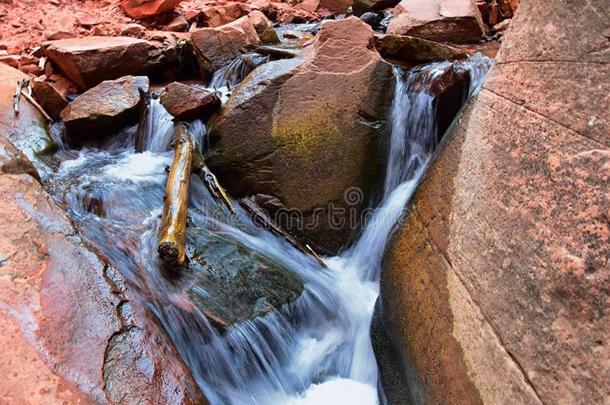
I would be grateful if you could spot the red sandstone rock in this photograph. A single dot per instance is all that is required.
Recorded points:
(456, 21)
(189, 103)
(495, 289)
(90, 60)
(69, 331)
(147, 8)
(13, 161)
(220, 15)
(214, 47)
(49, 97)
(104, 108)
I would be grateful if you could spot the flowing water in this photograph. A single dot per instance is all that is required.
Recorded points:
(316, 350)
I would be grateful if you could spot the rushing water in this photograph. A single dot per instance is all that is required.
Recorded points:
(314, 351)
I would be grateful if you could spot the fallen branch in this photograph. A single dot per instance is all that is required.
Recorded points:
(261, 219)
(171, 247)
(273, 51)
(209, 180)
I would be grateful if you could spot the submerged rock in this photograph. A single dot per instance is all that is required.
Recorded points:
(495, 287)
(416, 50)
(309, 131)
(90, 60)
(457, 21)
(189, 103)
(230, 283)
(147, 8)
(68, 327)
(104, 108)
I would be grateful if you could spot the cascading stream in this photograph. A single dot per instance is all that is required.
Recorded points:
(314, 351)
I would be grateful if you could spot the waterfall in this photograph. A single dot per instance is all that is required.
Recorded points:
(314, 351)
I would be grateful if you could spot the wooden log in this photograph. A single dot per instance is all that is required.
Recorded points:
(171, 247)
(261, 219)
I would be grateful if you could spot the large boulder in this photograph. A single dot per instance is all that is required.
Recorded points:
(147, 8)
(189, 103)
(88, 61)
(107, 107)
(495, 288)
(309, 131)
(457, 21)
(70, 331)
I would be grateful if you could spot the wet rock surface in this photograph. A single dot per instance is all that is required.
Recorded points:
(189, 103)
(457, 21)
(495, 287)
(232, 284)
(109, 106)
(27, 131)
(66, 315)
(298, 139)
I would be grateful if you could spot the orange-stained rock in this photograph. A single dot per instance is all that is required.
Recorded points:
(68, 327)
(107, 107)
(456, 21)
(495, 288)
(88, 61)
(314, 123)
(147, 8)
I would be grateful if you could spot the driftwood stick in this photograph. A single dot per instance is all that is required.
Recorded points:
(262, 220)
(171, 247)
(18, 92)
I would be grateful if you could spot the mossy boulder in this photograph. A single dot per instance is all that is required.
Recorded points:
(309, 131)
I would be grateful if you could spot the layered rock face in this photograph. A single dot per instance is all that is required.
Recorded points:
(495, 288)
(314, 131)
